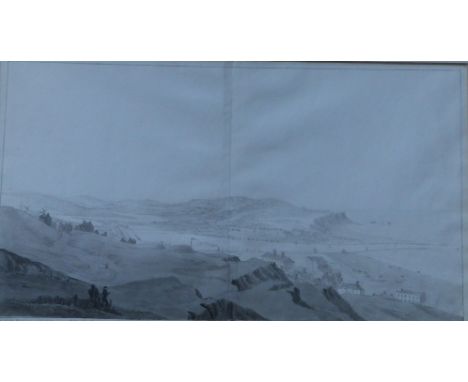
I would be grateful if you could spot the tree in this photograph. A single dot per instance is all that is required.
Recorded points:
(45, 218)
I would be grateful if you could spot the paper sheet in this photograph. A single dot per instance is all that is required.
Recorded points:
(232, 191)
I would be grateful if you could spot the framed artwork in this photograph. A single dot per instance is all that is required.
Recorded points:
(232, 191)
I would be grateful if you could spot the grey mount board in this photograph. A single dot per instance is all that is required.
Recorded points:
(232, 191)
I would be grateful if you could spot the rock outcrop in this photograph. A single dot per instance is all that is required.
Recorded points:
(225, 310)
(296, 298)
(270, 272)
(335, 298)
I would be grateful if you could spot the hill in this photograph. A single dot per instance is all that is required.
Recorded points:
(171, 279)
(236, 216)
(21, 278)
(32, 289)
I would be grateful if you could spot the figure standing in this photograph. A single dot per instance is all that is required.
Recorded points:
(105, 294)
(93, 293)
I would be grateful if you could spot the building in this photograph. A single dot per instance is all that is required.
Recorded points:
(351, 288)
(405, 295)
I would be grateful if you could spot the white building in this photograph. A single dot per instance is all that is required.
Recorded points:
(410, 296)
(350, 288)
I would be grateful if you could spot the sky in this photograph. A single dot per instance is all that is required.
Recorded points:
(320, 136)
(115, 132)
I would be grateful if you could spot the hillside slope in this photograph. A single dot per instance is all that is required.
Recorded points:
(21, 278)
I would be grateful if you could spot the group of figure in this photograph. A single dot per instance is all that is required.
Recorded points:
(99, 299)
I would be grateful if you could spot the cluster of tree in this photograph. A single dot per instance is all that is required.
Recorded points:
(88, 226)
(129, 241)
(45, 218)
(61, 226)
(85, 226)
